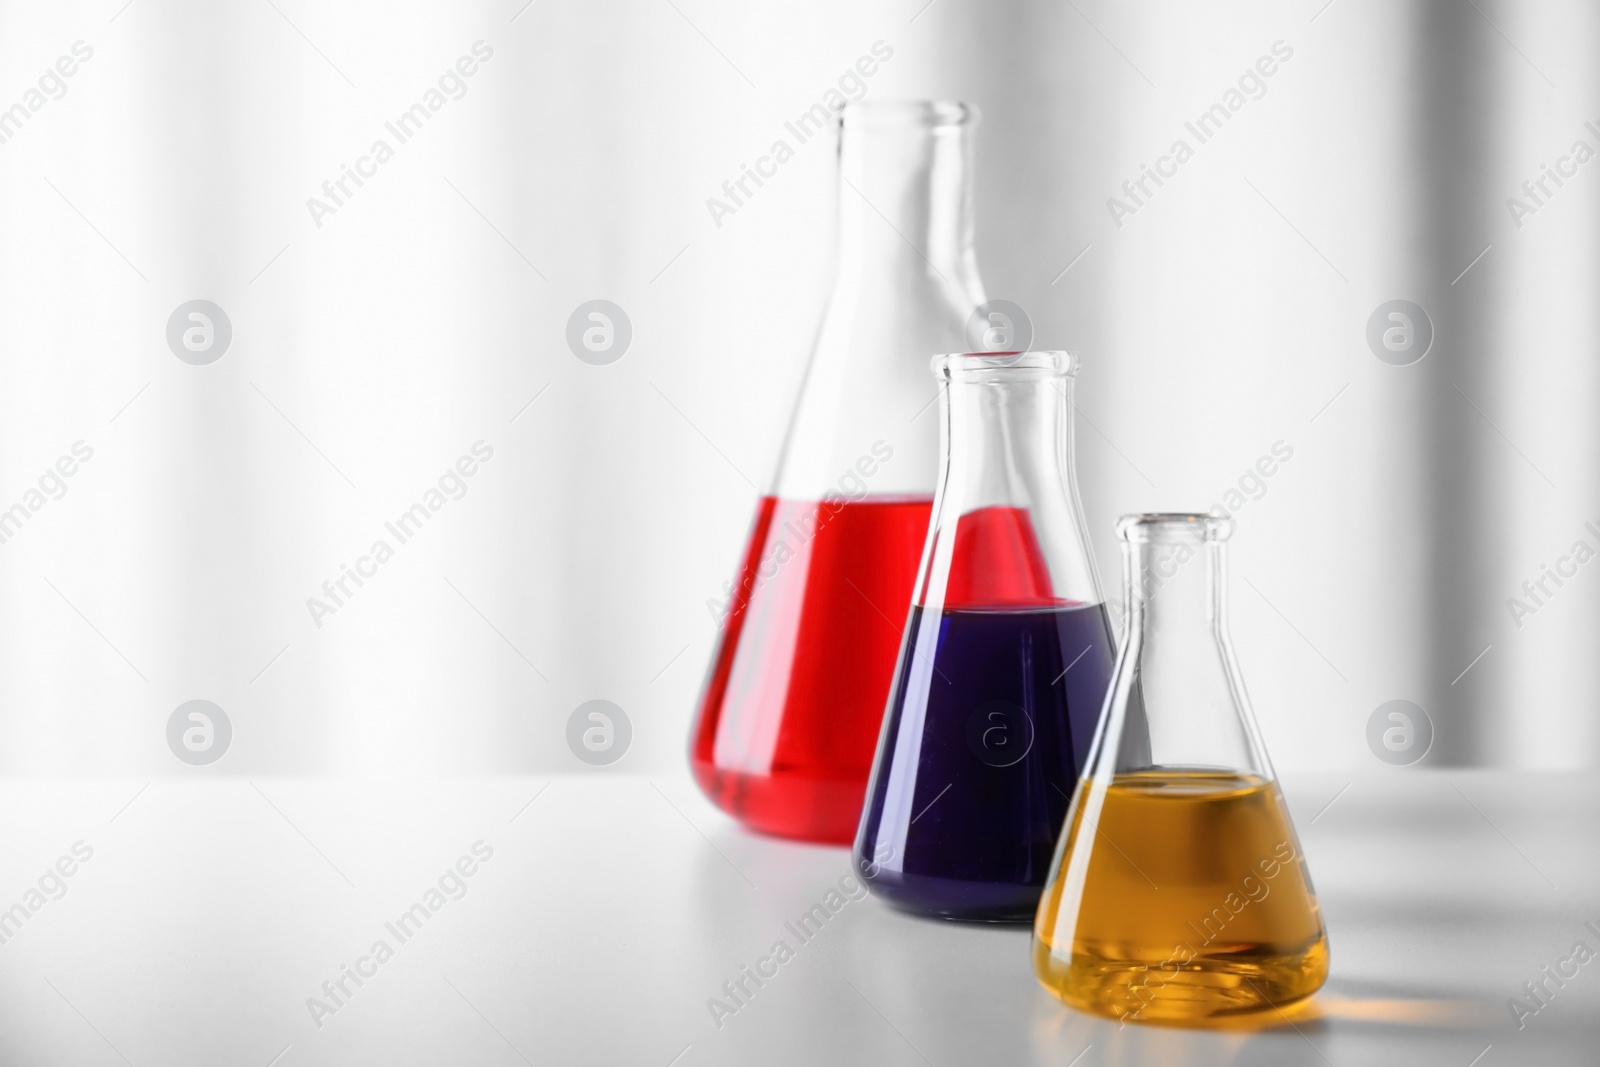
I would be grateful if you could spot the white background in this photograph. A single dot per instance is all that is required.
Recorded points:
(369, 353)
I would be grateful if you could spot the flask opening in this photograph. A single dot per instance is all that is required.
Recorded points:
(1174, 525)
(1004, 366)
(919, 113)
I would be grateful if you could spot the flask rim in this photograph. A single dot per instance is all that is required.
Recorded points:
(907, 113)
(1033, 365)
(1144, 527)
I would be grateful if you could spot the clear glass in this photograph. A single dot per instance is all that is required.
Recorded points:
(1179, 893)
(1005, 659)
(787, 723)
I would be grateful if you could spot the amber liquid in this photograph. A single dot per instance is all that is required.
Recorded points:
(1181, 897)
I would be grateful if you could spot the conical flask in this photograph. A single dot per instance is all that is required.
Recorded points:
(1005, 660)
(1179, 893)
(810, 627)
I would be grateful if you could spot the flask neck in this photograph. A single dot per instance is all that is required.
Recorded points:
(1008, 528)
(1173, 586)
(905, 285)
(905, 200)
(1183, 696)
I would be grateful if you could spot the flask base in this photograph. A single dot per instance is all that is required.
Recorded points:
(1212, 988)
(824, 811)
(1182, 898)
(954, 899)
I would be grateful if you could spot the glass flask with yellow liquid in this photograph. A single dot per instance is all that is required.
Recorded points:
(1179, 893)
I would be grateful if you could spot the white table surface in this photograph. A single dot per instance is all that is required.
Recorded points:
(614, 906)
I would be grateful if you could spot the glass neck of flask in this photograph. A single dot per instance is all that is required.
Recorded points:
(1008, 526)
(1172, 584)
(905, 200)
(1188, 707)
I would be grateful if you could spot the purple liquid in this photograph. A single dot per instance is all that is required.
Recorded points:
(989, 750)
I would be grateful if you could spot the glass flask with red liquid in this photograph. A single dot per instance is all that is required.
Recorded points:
(1005, 661)
(788, 720)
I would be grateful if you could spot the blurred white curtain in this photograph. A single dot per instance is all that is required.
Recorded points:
(373, 347)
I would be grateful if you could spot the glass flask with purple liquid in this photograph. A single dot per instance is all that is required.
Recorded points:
(1004, 661)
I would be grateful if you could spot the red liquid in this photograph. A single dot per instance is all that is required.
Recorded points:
(790, 718)
(997, 563)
